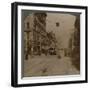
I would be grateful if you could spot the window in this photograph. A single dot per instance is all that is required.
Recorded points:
(28, 25)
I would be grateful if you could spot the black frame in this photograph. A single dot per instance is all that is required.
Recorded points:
(14, 43)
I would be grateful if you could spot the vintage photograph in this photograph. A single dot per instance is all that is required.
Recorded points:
(50, 43)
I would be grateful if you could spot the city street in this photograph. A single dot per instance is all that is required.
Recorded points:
(48, 65)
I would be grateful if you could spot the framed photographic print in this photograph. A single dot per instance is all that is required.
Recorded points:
(49, 44)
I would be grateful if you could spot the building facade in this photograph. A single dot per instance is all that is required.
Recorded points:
(75, 44)
(37, 40)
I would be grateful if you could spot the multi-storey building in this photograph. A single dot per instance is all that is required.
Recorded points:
(34, 33)
(75, 44)
(36, 39)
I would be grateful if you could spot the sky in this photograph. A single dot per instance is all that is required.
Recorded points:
(66, 27)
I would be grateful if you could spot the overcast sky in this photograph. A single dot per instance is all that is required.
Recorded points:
(65, 28)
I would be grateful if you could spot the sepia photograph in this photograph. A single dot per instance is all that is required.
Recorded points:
(49, 44)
